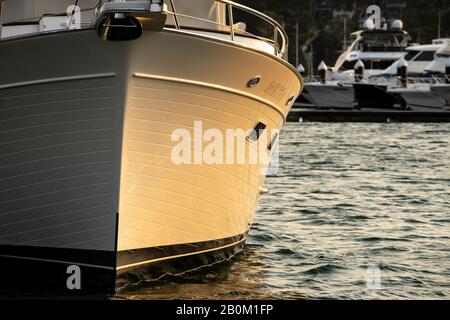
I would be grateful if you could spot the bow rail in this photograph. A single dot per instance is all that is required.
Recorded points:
(238, 22)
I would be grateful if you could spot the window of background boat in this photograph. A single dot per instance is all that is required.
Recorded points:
(426, 56)
(378, 64)
(411, 55)
(368, 64)
(348, 65)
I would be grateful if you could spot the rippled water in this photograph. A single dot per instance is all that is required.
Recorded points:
(351, 202)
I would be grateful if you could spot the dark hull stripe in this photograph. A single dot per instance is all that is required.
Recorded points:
(35, 276)
(36, 269)
(178, 265)
(133, 258)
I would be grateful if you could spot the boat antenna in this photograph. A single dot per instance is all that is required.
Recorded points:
(73, 13)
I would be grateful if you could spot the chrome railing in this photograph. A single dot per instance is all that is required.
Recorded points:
(273, 34)
(278, 39)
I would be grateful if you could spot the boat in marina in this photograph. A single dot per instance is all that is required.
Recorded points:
(90, 98)
(376, 49)
(441, 65)
(443, 90)
(418, 95)
(387, 91)
(418, 92)
(418, 58)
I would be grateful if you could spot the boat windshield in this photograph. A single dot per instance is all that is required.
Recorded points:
(198, 13)
(411, 55)
(369, 64)
(375, 41)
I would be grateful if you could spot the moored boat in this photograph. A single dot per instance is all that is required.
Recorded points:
(375, 49)
(92, 103)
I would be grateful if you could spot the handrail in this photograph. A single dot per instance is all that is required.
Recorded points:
(177, 24)
(280, 47)
(278, 29)
(231, 19)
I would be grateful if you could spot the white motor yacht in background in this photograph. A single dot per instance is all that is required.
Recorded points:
(419, 92)
(385, 90)
(443, 90)
(442, 64)
(88, 109)
(376, 49)
(418, 96)
(418, 57)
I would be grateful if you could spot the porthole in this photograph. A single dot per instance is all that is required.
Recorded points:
(254, 82)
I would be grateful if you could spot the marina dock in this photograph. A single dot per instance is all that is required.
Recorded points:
(372, 115)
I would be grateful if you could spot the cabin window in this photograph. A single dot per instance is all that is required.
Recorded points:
(426, 56)
(368, 64)
(378, 65)
(411, 55)
(348, 65)
(257, 132)
(199, 14)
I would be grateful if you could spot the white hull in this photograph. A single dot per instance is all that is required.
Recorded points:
(444, 92)
(86, 144)
(420, 97)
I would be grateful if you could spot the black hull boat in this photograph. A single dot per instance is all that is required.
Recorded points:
(376, 96)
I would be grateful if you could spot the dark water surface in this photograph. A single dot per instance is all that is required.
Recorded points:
(357, 211)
